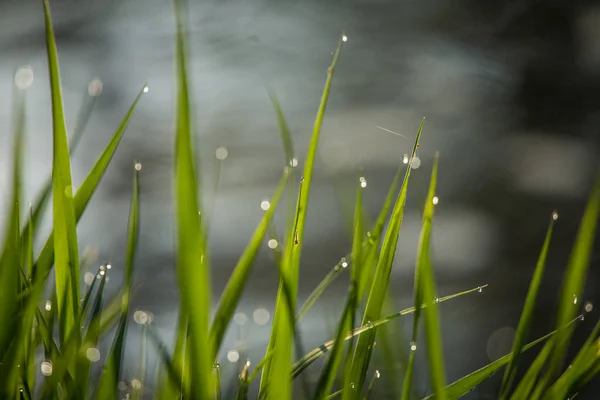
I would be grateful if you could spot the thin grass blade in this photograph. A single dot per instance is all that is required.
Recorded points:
(573, 282)
(276, 372)
(527, 314)
(237, 281)
(109, 379)
(192, 263)
(364, 346)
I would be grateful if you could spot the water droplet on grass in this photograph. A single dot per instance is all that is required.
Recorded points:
(377, 374)
(480, 289)
(344, 38)
(413, 346)
(405, 159)
(146, 89)
(48, 305)
(363, 182)
(272, 243)
(265, 205)
(415, 162)
(435, 200)
(574, 299)
(555, 215)
(46, 368)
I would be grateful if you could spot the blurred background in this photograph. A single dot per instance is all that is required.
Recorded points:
(509, 90)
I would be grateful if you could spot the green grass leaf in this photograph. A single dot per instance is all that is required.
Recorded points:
(309, 358)
(65, 236)
(11, 346)
(109, 379)
(573, 281)
(237, 281)
(424, 295)
(276, 372)
(364, 346)
(192, 259)
(527, 314)
(467, 383)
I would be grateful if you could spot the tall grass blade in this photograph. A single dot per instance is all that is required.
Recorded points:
(364, 346)
(65, 236)
(109, 379)
(424, 285)
(276, 372)
(527, 314)
(573, 282)
(524, 387)
(10, 264)
(237, 281)
(192, 263)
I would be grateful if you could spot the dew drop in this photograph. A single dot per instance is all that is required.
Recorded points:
(221, 153)
(588, 307)
(92, 354)
(435, 200)
(265, 205)
(555, 215)
(369, 324)
(574, 299)
(272, 243)
(136, 384)
(248, 363)
(581, 317)
(140, 317)
(352, 385)
(405, 159)
(294, 162)
(108, 266)
(436, 300)
(344, 38)
(377, 374)
(24, 77)
(146, 89)
(95, 87)
(413, 346)
(46, 368)
(363, 182)
(343, 262)
(415, 162)
(48, 305)
(233, 356)
(138, 166)
(216, 366)
(102, 272)
(480, 289)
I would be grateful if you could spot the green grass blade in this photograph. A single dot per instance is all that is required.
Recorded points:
(322, 286)
(242, 393)
(376, 376)
(174, 374)
(237, 281)
(527, 314)
(588, 355)
(10, 264)
(192, 263)
(44, 196)
(346, 322)
(573, 282)
(364, 346)
(86, 190)
(173, 389)
(526, 384)
(423, 284)
(284, 129)
(313, 355)
(109, 379)
(276, 372)
(65, 236)
(469, 382)
(432, 324)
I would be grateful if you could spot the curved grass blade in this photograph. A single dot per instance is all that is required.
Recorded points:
(527, 313)
(423, 284)
(524, 388)
(316, 353)
(109, 379)
(276, 372)
(284, 129)
(237, 281)
(242, 393)
(469, 382)
(324, 284)
(65, 235)
(364, 346)
(174, 389)
(10, 265)
(192, 263)
(173, 373)
(573, 282)
(376, 375)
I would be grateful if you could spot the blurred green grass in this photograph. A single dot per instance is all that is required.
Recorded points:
(191, 371)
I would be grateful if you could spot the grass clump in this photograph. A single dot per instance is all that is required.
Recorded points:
(190, 370)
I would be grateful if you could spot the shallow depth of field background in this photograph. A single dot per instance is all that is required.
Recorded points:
(510, 91)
